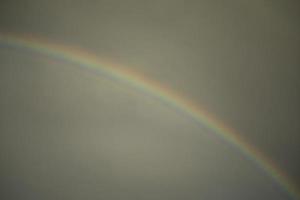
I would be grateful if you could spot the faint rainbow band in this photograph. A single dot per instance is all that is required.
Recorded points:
(86, 60)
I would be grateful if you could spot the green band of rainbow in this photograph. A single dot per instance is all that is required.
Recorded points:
(140, 82)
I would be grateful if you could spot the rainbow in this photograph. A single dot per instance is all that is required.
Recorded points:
(138, 81)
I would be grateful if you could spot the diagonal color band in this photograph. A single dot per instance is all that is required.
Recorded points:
(166, 95)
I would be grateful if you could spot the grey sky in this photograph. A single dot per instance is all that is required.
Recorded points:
(70, 134)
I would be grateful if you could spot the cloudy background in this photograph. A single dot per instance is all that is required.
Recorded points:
(66, 133)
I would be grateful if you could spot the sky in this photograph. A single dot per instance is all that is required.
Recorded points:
(69, 133)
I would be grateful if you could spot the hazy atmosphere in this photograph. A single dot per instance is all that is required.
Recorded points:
(69, 133)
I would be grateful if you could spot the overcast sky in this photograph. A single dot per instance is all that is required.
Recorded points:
(66, 133)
